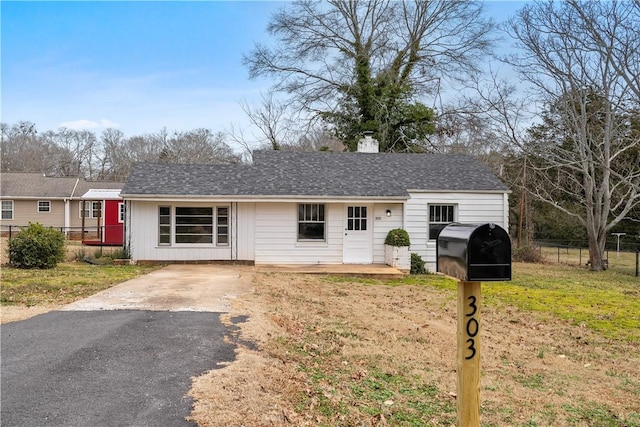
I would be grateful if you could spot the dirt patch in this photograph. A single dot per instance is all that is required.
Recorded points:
(348, 353)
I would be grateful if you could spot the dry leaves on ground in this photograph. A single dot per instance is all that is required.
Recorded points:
(343, 352)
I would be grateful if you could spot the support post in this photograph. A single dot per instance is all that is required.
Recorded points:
(468, 399)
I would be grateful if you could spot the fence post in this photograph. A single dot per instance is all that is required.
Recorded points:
(10, 232)
(580, 257)
(637, 264)
(558, 254)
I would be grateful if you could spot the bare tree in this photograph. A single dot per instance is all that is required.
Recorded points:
(24, 150)
(74, 152)
(111, 156)
(365, 65)
(582, 59)
(317, 139)
(275, 124)
(199, 146)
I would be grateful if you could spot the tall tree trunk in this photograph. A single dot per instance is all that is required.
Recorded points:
(597, 238)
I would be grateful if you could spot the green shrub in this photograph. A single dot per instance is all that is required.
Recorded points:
(417, 264)
(397, 237)
(37, 247)
(527, 253)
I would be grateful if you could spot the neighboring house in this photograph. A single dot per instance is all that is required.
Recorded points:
(50, 201)
(305, 208)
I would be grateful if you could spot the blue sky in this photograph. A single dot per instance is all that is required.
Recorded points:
(136, 66)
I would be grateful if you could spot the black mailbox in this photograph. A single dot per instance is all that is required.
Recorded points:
(474, 252)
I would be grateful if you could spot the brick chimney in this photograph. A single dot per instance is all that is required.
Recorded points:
(368, 144)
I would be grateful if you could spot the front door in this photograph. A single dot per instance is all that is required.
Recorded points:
(357, 247)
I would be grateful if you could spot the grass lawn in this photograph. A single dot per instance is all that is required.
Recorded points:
(607, 301)
(64, 284)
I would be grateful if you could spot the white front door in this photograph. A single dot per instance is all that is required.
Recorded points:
(357, 245)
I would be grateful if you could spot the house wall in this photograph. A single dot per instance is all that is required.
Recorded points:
(75, 218)
(471, 208)
(143, 236)
(276, 233)
(25, 211)
(266, 232)
(243, 231)
(277, 230)
(382, 226)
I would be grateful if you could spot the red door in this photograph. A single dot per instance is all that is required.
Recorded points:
(113, 224)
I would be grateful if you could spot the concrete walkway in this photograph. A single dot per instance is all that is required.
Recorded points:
(206, 287)
(177, 287)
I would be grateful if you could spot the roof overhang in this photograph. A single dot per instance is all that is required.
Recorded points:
(4, 197)
(263, 199)
(102, 194)
(461, 191)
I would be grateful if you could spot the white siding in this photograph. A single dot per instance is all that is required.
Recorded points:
(267, 232)
(381, 226)
(471, 208)
(143, 229)
(243, 230)
(276, 236)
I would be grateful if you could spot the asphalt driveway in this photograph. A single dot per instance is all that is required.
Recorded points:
(125, 361)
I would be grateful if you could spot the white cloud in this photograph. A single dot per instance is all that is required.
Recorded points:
(106, 123)
(84, 124)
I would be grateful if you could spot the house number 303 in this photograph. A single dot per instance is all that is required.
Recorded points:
(472, 327)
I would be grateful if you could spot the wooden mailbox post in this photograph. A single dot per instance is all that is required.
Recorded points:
(472, 253)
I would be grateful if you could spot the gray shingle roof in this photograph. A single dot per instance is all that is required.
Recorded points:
(281, 173)
(31, 185)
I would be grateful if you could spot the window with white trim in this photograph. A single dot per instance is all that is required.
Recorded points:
(7, 209)
(92, 209)
(121, 212)
(439, 217)
(311, 222)
(194, 225)
(44, 206)
(222, 226)
(164, 221)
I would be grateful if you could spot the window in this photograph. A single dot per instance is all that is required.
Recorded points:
(439, 217)
(194, 225)
(164, 216)
(121, 212)
(357, 218)
(7, 209)
(91, 209)
(44, 206)
(311, 222)
(222, 226)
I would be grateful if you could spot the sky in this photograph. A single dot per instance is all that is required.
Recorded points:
(136, 66)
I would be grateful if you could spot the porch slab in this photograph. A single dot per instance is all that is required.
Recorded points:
(374, 271)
